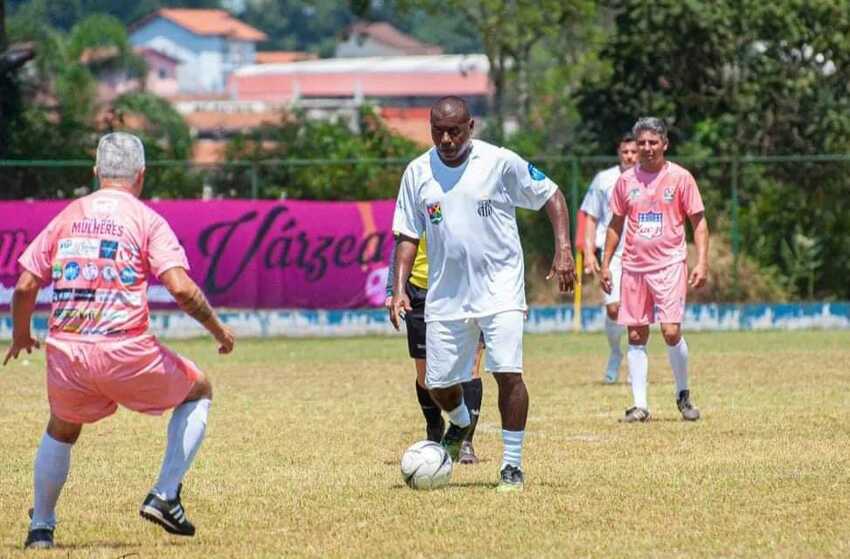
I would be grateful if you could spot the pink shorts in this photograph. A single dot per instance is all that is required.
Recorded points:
(647, 297)
(87, 380)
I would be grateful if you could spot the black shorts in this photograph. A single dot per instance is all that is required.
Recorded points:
(415, 321)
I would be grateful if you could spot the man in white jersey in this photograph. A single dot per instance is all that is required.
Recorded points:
(463, 195)
(596, 206)
(653, 200)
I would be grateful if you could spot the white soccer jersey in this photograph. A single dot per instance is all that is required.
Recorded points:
(475, 260)
(597, 204)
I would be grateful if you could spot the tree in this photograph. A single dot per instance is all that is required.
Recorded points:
(752, 78)
(509, 31)
(347, 171)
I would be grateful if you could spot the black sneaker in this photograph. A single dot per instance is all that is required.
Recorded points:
(40, 538)
(453, 439)
(511, 479)
(435, 433)
(683, 402)
(168, 514)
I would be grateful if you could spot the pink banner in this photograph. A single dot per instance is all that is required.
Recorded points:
(253, 254)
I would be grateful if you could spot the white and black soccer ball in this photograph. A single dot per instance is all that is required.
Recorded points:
(426, 465)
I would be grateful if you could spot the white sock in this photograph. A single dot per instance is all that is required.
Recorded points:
(185, 435)
(638, 369)
(614, 332)
(513, 448)
(52, 462)
(678, 355)
(460, 415)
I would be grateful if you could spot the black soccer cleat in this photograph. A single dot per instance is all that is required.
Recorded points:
(167, 513)
(453, 439)
(510, 479)
(40, 538)
(683, 402)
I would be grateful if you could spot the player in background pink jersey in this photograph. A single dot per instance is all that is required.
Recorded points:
(99, 252)
(653, 199)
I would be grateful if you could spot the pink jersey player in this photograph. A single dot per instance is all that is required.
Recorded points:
(650, 204)
(99, 253)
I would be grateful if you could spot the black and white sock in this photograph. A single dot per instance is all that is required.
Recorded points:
(473, 391)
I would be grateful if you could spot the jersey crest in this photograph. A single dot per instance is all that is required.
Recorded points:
(435, 212)
(650, 224)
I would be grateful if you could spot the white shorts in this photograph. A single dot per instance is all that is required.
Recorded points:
(451, 345)
(616, 268)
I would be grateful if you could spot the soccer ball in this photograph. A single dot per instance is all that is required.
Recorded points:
(426, 465)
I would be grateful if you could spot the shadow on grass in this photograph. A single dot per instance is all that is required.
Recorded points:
(484, 484)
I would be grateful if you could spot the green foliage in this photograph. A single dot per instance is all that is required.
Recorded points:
(347, 170)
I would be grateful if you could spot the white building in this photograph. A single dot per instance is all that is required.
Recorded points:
(209, 45)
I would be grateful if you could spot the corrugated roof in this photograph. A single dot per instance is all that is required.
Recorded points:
(283, 56)
(402, 76)
(210, 22)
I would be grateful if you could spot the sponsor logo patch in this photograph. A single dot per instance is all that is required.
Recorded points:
(72, 271)
(128, 276)
(78, 247)
(65, 295)
(56, 272)
(650, 224)
(536, 173)
(90, 272)
(435, 213)
(109, 273)
(108, 249)
(118, 297)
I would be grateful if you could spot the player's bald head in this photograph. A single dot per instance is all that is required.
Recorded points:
(451, 107)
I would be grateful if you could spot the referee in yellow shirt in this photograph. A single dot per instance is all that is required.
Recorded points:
(417, 290)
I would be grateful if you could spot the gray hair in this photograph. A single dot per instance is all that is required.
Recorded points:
(650, 124)
(120, 156)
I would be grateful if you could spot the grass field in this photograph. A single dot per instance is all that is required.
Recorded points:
(301, 458)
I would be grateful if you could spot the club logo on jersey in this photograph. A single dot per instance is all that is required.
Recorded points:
(128, 276)
(435, 213)
(108, 249)
(109, 273)
(536, 173)
(485, 208)
(78, 247)
(72, 271)
(669, 193)
(650, 224)
(56, 273)
(634, 194)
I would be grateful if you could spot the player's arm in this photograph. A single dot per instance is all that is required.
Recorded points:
(390, 275)
(193, 302)
(563, 266)
(23, 305)
(699, 274)
(612, 239)
(405, 254)
(591, 263)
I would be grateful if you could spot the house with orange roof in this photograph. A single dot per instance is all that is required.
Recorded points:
(380, 38)
(209, 45)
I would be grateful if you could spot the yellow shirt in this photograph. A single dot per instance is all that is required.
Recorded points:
(419, 272)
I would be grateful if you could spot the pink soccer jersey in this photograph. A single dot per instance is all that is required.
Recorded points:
(99, 253)
(656, 206)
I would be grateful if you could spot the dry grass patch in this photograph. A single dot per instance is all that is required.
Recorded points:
(301, 458)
